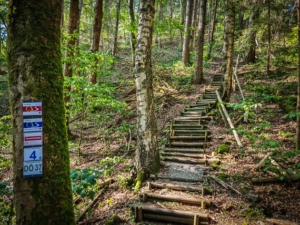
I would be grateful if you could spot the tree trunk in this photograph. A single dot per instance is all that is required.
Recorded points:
(252, 36)
(116, 28)
(182, 17)
(147, 155)
(298, 89)
(96, 37)
(35, 73)
(200, 43)
(187, 36)
(212, 26)
(269, 38)
(229, 46)
(70, 49)
(194, 25)
(132, 27)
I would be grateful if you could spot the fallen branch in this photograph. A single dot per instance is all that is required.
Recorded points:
(273, 179)
(103, 185)
(262, 162)
(225, 185)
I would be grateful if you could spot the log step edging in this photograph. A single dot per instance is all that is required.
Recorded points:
(189, 201)
(168, 215)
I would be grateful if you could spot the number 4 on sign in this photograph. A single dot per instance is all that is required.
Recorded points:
(33, 156)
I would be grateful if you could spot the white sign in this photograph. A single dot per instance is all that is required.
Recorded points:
(32, 169)
(33, 138)
(33, 153)
(32, 108)
(30, 125)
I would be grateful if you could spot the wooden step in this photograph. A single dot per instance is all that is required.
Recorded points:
(190, 132)
(184, 161)
(186, 121)
(185, 144)
(206, 105)
(196, 109)
(183, 155)
(171, 198)
(201, 118)
(191, 113)
(189, 138)
(171, 216)
(184, 150)
(187, 126)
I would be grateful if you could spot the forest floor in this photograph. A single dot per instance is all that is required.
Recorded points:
(267, 129)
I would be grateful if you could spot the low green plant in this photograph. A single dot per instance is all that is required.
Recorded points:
(7, 212)
(84, 182)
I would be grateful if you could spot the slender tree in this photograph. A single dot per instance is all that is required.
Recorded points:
(96, 36)
(269, 38)
(194, 25)
(70, 48)
(212, 25)
(229, 47)
(132, 26)
(187, 36)
(298, 89)
(200, 43)
(182, 17)
(147, 155)
(35, 73)
(252, 34)
(116, 27)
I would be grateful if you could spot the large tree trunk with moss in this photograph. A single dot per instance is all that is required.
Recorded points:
(187, 33)
(132, 28)
(229, 47)
(35, 73)
(298, 89)
(200, 43)
(147, 155)
(96, 36)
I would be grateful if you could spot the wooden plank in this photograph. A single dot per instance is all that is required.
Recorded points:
(189, 201)
(183, 214)
(184, 161)
(175, 187)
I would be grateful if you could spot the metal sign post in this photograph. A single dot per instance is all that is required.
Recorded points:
(33, 139)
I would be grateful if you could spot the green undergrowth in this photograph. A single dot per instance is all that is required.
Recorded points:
(268, 103)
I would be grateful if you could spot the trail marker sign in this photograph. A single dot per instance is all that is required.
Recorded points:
(33, 139)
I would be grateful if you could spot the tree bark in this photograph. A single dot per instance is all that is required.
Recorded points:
(212, 26)
(269, 38)
(194, 25)
(35, 73)
(96, 36)
(229, 46)
(182, 17)
(252, 36)
(116, 28)
(73, 29)
(187, 36)
(132, 27)
(298, 89)
(200, 43)
(147, 154)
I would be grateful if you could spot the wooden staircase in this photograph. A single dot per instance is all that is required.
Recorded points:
(184, 154)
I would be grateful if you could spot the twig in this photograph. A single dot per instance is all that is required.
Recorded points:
(103, 185)
(262, 162)
(225, 185)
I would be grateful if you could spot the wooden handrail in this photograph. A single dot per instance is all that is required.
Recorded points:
(229, 120)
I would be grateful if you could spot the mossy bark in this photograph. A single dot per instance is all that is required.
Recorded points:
(147, 155)
(35, 73)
